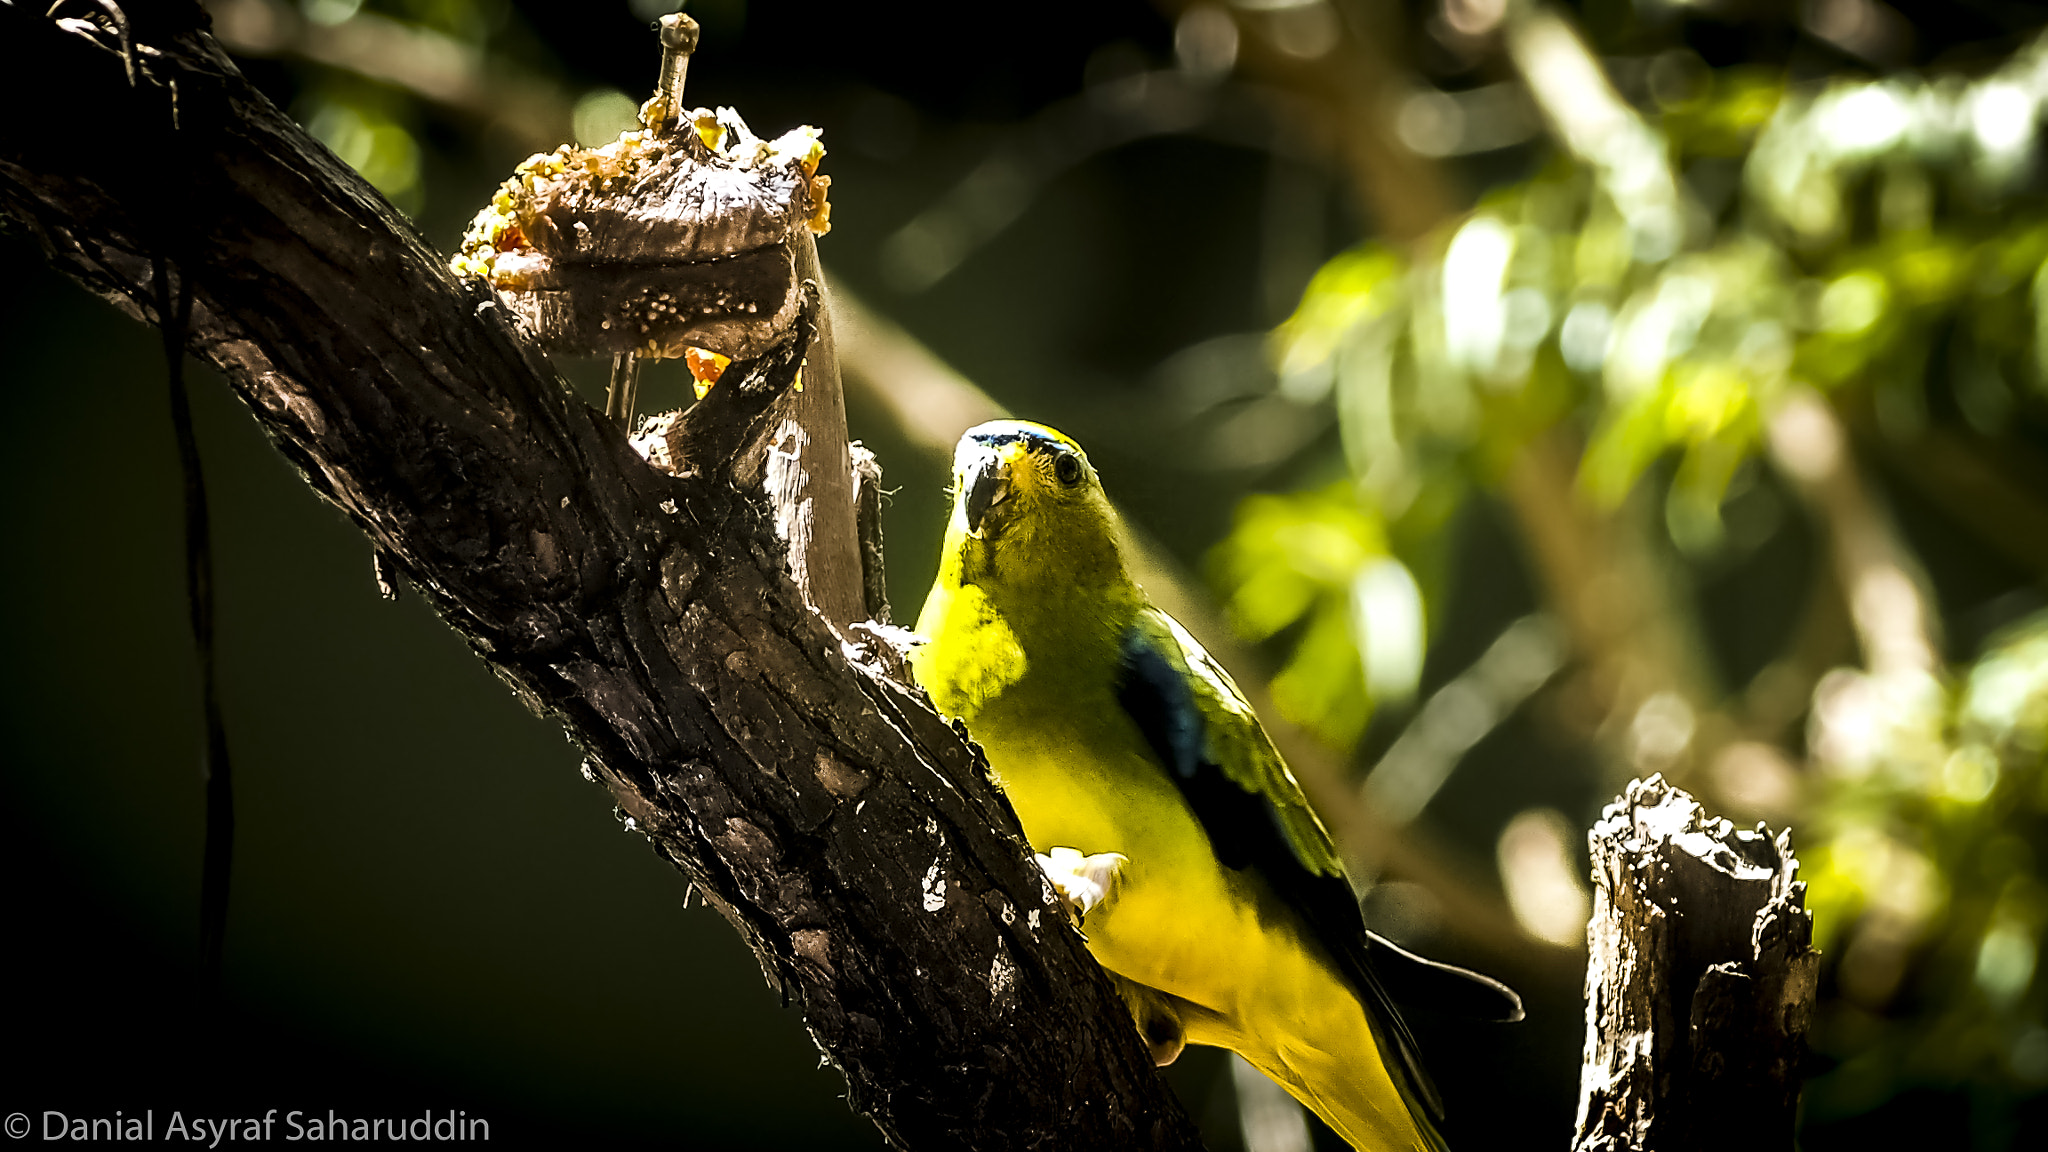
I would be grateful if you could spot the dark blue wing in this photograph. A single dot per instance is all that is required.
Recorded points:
(1213, 748)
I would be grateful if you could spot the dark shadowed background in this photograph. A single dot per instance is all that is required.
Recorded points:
(433, 910)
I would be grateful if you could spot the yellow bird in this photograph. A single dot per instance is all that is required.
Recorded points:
(1158, 805)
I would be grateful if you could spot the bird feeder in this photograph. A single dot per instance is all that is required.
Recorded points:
(689, 237)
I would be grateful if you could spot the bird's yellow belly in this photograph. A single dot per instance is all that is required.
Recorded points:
(1183, 923)
(1179, 921)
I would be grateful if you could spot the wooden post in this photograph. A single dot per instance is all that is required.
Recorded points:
(813, 488)
(1700, 982)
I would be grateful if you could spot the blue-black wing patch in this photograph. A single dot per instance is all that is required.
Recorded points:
(1246, 831)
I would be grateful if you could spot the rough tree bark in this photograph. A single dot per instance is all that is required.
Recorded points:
(1700, 983)
(847, 832)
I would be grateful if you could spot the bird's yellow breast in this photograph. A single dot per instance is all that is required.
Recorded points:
(1181, 921)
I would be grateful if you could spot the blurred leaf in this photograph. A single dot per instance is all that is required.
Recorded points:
(1924, 871)
(371, 140)
(1301, 556)
(1880, 235)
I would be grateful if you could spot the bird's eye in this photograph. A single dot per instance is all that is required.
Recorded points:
(1067, 468)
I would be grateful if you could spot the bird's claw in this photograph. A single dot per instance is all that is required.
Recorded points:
(1084, 883)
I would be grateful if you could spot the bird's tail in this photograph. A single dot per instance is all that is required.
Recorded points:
(1350, 1086)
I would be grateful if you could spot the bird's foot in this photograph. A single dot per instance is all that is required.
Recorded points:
(1084, 883)
(1157, 1016)
(884, 648)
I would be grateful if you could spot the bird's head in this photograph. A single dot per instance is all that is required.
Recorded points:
(1025, 499)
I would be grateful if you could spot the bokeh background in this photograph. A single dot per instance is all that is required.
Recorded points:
(1524, 397)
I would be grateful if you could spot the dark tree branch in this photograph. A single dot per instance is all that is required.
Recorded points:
(848, 833)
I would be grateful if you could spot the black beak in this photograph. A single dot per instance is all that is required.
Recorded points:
(985, 487)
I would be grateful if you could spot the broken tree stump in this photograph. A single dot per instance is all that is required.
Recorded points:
(1699, 983)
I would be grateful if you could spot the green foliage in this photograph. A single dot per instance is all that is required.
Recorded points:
(368, 130)
(1925, 875)
(1297, 557)
(1868, 225)
(374, 127)
(1879, 242)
